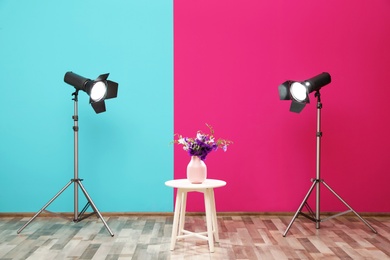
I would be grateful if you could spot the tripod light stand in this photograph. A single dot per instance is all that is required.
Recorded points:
(98, 90)
(299, 92)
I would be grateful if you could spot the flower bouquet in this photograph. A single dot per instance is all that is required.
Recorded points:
(202, 144)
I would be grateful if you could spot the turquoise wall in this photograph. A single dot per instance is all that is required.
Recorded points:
(125, 154)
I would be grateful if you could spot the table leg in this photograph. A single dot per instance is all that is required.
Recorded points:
(183, 195)
(209, 218)
(176, 217)
(214, 210)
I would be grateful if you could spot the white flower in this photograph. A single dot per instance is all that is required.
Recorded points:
(182, 141)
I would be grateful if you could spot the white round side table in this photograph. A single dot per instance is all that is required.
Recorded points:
(183, 186)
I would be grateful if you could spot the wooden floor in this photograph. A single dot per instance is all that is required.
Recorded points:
(148, 237)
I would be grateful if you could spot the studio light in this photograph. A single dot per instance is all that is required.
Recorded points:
(98, 90)
(299, 92)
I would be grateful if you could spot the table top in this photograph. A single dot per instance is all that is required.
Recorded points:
(186, 184)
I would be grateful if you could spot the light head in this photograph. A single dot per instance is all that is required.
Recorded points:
(98, 90)
(298, 92)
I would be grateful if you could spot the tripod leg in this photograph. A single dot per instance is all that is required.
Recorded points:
(300, 207)
(94, 207)
(346, 204)
(44, 207)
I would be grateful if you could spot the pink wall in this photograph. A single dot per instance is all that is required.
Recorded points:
(230, 57)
